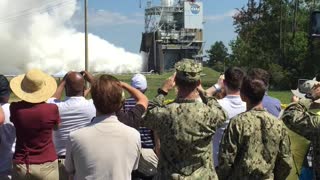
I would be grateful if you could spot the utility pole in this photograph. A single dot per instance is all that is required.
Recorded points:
(86, 35)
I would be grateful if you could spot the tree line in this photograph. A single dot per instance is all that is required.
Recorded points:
(273, 35)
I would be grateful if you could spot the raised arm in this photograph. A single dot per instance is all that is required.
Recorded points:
(300, 119)
(133, 116)
(167, 86)
(297, 118)
(90, 79)
(60, 89)
(87, 76)
(155, 113)
(216, 87)
(136, 94)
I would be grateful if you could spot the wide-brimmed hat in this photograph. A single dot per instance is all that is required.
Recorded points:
(304, 89)
(35, 86)
(297, 93)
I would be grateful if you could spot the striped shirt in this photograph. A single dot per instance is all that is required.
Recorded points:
(147, 138)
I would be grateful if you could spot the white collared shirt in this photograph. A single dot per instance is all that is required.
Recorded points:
(106, 149)
(75, 113)
(233, 105)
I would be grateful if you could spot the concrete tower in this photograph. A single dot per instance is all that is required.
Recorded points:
(173, 30)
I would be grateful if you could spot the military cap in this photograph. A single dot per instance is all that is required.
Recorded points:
(188, 70)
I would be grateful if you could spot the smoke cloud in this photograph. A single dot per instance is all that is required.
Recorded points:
(37, 34)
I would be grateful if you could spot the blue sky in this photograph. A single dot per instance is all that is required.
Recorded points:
(121, 22)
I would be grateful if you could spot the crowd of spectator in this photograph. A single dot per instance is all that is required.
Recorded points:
(232, 130)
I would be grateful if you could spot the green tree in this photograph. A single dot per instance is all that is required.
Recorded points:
(218, 54)
(273, 35)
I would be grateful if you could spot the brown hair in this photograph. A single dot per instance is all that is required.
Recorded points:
(107, 94)
(261, 74)
(253, 89)
(233, 78)
(187, 85)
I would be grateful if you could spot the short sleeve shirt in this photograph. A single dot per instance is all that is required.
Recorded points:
(34, 124)
(233, 105)
(75, 112)
(272, 105)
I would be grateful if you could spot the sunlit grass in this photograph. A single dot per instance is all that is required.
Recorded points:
(283, 96)
(209, 77)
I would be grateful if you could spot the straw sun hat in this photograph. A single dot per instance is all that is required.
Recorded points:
(35, 86)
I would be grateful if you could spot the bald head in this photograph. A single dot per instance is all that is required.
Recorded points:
(74, 84)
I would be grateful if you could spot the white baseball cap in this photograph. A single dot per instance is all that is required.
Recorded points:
(139, 81)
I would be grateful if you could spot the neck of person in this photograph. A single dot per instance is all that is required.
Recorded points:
(184, 94)
(103, 114)
(230, 92)
(4, 100)
(100, 117)
(98, 113)
(75, 94)
(257, 106)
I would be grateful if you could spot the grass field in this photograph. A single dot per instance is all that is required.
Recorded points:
(155, 81)
(283, 96)
(209, 77)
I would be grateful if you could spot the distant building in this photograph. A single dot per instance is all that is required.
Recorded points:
(173, 30)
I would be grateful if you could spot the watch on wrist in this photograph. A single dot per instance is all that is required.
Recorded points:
(217, 87)
(161, 91)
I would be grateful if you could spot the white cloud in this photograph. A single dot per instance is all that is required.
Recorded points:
(41, 39)
(221, 17)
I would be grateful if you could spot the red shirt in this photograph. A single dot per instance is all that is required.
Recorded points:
(34, 124)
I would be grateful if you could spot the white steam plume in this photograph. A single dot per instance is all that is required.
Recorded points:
(34, 34)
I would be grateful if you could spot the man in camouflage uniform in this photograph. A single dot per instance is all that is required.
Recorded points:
(301, 118)
(255, 144)
(185, 126)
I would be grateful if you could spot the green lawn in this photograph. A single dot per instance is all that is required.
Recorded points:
(283, 96)
(209, 77)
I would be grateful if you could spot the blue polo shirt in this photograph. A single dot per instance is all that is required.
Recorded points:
(272, 105)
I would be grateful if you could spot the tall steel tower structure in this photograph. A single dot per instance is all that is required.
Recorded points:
(173, 30)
